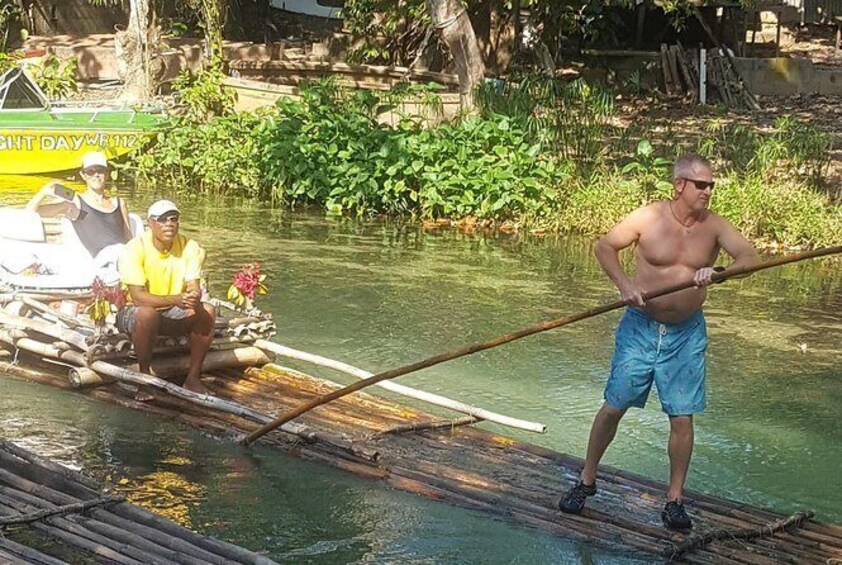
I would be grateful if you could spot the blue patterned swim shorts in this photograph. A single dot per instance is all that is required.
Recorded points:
(671, 355)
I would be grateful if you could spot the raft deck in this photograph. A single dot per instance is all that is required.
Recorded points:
(77, 522)
(481, 470)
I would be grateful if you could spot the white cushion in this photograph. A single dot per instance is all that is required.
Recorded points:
(21, 225)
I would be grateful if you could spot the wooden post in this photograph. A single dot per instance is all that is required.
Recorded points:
(641, 20)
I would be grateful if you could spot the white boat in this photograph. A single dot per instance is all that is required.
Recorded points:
(45, 254)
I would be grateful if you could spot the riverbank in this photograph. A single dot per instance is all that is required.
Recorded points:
(540, 157)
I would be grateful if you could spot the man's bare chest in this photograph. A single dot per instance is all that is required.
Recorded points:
(668, 246)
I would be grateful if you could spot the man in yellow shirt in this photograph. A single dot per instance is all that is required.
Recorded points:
(161, 269)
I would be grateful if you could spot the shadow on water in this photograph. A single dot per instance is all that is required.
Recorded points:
(379, 294)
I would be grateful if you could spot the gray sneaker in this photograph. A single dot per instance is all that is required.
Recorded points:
(573, 500)
(675, 518)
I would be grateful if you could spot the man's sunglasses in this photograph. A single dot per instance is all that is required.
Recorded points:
(90, 171)
(701, 184)
(171, 219)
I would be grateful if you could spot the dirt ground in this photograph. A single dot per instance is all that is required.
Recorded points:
(814, 42)
(684, 121)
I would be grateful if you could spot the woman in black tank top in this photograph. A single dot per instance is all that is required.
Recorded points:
(97, 226)
(99, 220)
(97, 229)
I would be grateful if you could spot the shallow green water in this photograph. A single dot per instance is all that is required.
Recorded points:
(379, 295)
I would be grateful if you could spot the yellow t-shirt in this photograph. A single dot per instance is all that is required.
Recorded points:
(163, 274)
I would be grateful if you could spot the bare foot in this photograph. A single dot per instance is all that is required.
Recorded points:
(144, 394)
(195, 385)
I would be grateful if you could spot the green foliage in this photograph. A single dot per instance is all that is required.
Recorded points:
(329, 148)
(56, 77)
(202, 96)
(8, 62)
(385, 31)
(219, 155)
(794, 149)
(335, 148)
(573, 118)
(785, 212)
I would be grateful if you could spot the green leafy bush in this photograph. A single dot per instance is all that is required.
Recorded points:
(202, 95)
(55, 76)
(333, 148)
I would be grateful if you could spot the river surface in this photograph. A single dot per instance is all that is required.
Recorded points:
(377, 295)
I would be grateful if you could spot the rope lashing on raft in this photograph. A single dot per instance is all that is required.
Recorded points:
(697, 541)
(74, 508)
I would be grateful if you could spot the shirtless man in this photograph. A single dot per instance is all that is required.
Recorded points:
(664, 339)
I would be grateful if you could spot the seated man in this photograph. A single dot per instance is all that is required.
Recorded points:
(101, 221)
(161, 269)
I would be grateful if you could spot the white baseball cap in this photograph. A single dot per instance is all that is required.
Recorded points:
(160, 208)
(94, 159)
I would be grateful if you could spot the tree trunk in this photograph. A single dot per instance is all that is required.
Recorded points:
(453, 25)
(214, 13)
(132, 51)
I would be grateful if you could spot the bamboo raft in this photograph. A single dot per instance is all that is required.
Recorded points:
(64, 506)
(401, 446)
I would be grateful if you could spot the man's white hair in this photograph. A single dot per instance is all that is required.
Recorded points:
(686, 166)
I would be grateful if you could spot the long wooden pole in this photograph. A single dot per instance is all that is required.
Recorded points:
(542, 327)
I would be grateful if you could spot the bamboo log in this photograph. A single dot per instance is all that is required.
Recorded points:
(701, 540)
(167, 542)
(227, 550)
(82, 377)
(16, 322)
(542, 327)
(427, 426)
(170, 535)
(59, 510)
(44, 309)
(73, 534)
(25, 554)
(154, 552)
(125, 374)
(222, 359)
(174, 543)
(409, 392)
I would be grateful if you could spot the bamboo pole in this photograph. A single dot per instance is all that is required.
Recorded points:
(428, 426)
(16, 322)
(430, 398)
(76, 507)
(169, 535)
(25, 554)
(542, 327)
(223, 359)
(44, 309)
(125, 374)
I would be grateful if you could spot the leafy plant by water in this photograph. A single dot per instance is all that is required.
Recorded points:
(358, 153)
(570, 118)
